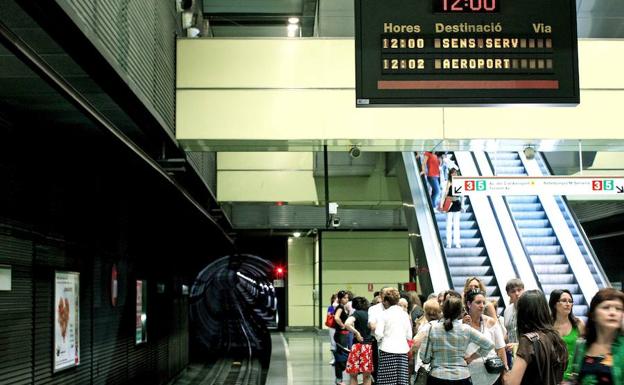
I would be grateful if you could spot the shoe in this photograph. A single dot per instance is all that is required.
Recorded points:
(458, 246)
(448, 246)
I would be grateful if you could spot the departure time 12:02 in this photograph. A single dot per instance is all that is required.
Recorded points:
(466, 6)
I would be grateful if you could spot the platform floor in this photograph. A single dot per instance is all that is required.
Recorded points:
(300, 358)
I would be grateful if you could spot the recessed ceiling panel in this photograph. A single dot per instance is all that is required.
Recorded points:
(253, 6)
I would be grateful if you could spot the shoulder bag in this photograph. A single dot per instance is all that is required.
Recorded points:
(493, 365)
(446, 205)
(423, 372)
(330, 321)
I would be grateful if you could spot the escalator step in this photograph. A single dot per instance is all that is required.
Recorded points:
(495, 156)
(464, 271)
(532, 223)
(552, 269)
(540, 241)
(508, 162)
(548, 288)
(539, 259)
(507, 170)
(463, 233)
(544, 250)
(466, 261)
(551, 279)
(460, 280)
(522, 199)
(465, 251)
(580, 310)
(537, 232)
(531, 207)
(466, 242)
(529, 215)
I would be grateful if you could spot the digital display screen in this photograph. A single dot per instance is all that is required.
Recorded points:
(468, 6)
(466, 52)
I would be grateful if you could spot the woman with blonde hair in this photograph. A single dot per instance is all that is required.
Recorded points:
(433, 312)
(475, 283)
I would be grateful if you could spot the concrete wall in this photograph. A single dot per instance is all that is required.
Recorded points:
(300, 282)
(352, 260)
(302, 91)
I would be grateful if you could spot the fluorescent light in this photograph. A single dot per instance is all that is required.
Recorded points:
(293, 20)
(292, 30)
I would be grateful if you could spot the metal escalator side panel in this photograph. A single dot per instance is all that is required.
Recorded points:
(571, 250)
(424, 237)
(497, 251)
(519, 258)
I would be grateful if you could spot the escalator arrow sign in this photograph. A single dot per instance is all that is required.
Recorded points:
(458, 190)
(620, 189)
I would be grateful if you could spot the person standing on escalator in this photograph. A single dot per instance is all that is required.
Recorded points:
(431, 162)
(453, 211)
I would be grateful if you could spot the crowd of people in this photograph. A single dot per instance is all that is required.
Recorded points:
(459, 338)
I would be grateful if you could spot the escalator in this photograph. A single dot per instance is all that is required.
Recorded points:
(536, 238)
(557, 251)
(454, 264)
(577, 231)
(472, 258)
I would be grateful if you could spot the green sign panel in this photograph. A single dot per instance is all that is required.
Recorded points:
(466, 52)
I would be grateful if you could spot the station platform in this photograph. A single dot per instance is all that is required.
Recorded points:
(300, 357)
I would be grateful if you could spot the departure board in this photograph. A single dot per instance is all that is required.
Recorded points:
(466, 52)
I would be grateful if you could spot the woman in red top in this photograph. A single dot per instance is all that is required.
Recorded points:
(432, 164)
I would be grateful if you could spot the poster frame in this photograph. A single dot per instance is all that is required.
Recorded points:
(55, 366)
(141, 312)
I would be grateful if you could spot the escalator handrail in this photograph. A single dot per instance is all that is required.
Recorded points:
(423, 180)
(584, 239)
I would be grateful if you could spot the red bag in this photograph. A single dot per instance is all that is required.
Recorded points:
(446, 205)
(330, 321)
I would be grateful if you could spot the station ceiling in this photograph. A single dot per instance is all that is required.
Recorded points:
(334, 18)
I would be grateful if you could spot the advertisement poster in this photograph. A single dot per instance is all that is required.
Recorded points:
(141, 312)
(66, 320)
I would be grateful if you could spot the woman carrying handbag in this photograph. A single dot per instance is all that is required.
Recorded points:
(449, 340)
(452, 205)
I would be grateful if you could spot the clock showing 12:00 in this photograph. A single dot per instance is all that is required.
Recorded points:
(466, 6)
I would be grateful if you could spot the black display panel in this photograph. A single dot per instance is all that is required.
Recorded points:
(465, 52)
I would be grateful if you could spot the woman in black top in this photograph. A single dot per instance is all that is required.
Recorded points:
(453, 212)
(361, 356)
(542, 354)
(341, 337)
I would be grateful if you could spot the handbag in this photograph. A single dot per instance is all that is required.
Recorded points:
(330, 321)
(423, 372)
(446, 205)
(494, 365)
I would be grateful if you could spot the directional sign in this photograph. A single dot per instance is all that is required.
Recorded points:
(528, 185)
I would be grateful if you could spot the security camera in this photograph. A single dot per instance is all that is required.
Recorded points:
(183, 5)
(335, 221)
(355, 152)
(529, 152)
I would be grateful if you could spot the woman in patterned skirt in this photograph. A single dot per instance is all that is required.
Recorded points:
(393, 330)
